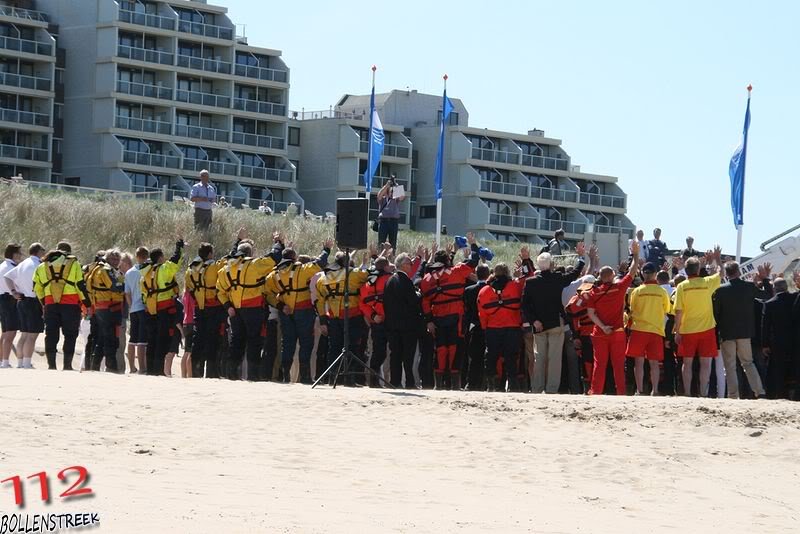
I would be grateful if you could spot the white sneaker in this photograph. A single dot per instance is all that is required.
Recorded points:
(5, 364)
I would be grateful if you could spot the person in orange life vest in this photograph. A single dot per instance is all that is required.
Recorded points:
(443, 305)
(695, 326)
(605, 304)
(582, 327)
(288, 289)
(499, 305)
(107, 287)
(649, 306)
(240, 289)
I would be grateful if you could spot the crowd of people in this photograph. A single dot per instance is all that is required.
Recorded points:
(448, 318)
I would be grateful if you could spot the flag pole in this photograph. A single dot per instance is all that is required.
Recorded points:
(369, 147)
(739, 226)
(438, 196)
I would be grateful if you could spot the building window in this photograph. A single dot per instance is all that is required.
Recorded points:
(294, 136)
(452, 119)
(427, 212)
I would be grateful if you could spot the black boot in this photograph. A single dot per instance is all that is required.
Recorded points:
(285, 373)
(491, 383)
(51, 362)
(438, 381)
(305, 373)
(512, 385)
(68, 362)
(455, 381)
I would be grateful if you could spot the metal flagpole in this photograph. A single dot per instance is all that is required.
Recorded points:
(744, 167)
(739, 244)
(369, 146)
(441, 172)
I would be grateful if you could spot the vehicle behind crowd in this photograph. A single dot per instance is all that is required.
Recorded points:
(662, 323)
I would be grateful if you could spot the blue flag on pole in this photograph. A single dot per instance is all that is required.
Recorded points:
(447, 108)
(376, 140)
(736, 171)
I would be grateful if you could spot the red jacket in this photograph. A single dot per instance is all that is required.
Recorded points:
(576, 308)
(499, 304)
(443, 290)
(371, 301)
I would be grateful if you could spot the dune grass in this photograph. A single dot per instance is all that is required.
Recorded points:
(92, 223)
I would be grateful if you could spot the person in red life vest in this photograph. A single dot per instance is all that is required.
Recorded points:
(582, 327)
(443, 306)
(371, 306)
(605, 304)
(499, 305)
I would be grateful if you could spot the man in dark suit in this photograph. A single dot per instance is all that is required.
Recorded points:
(734, 313)
(476, 344)
(403, 308)
(777, 336)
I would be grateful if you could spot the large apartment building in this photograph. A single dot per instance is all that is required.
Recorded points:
(31, 93)
(158, 90)
(500, 185)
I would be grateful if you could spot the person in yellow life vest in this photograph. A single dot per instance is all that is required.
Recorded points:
(159, 290)
(288, 290)
(240, 289)
(59, 285)
(106, 286)
(209, 314)
(331, 306)
(88, 312)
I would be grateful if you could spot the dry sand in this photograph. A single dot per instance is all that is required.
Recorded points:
(173, 455)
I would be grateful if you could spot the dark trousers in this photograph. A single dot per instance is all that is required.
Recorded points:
(426, 352)
(160, 330)
(209, 329)
(270, 351)
(107, 343)
(248, 328)
(387, 231)
(571, 367)
(91, 340)
(777, 370)
(476, 347)
(322, 356)
(379, 340)
(505, 342)
(403, 344)
(297, 327)
(202, 221)
(66, 319)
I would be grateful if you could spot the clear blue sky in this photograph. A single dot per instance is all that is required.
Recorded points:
(653, 93)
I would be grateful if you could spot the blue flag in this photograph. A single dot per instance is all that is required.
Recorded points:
(736, 172)
(447, 108)
(376, 140)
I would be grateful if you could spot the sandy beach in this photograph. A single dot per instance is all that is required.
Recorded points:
(173, 455)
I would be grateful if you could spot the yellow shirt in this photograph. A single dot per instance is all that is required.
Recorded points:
(649, 307)
(693, 298)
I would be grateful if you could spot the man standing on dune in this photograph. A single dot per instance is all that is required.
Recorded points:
(203, 194)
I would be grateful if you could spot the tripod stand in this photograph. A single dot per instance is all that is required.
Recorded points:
(346, 358)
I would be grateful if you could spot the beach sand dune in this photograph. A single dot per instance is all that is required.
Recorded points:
(173, 455)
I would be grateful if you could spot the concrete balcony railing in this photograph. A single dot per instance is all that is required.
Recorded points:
(206, 30)
(145, 54)
(379, 181)
(504, 188)
(25, 14)
(147, 19)
(24, 152)
(535, 223)
(549, 193)
(24, 45)
(571, 227)
(25, 82)
(277, 206)
(202, 99)
(394, 151)
(607, 229)
(208, 65)
(545, 162)
(151, 160)
(608, 201)
(496, 156)
(261, 73)
(263, 141)
(200, 132)
(216, 167)
(266, 173)
(144, 89)
(24, 117)
(257, 106)
(143, 125)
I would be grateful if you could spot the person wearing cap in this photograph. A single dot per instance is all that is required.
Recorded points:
(605, 305)
(288, 289)
(443, 306)
(649, 306)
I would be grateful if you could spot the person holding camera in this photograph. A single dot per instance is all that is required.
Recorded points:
(389, 212)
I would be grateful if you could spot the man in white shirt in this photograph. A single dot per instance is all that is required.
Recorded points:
(9, 318)
(20, 282)
(203, 194)
(642, 245)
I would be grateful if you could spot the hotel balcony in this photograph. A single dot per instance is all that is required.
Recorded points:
(24, 117)
(145, 54)
(393, 151)
(257, 106)
(147, 19)
(263, 141)
(25, 15)
(206, 30)
(151, 160)
(204, 64)
(202, 132)
(143, 125)
(26, 46)
(267, 173)
(24, 153)
(261, 73)
(145, 90)
(26, 82)
(202, 99)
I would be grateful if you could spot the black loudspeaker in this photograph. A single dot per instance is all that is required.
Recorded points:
(351, 223)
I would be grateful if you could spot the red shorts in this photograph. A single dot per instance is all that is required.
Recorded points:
(703, 344)
(646, 344)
